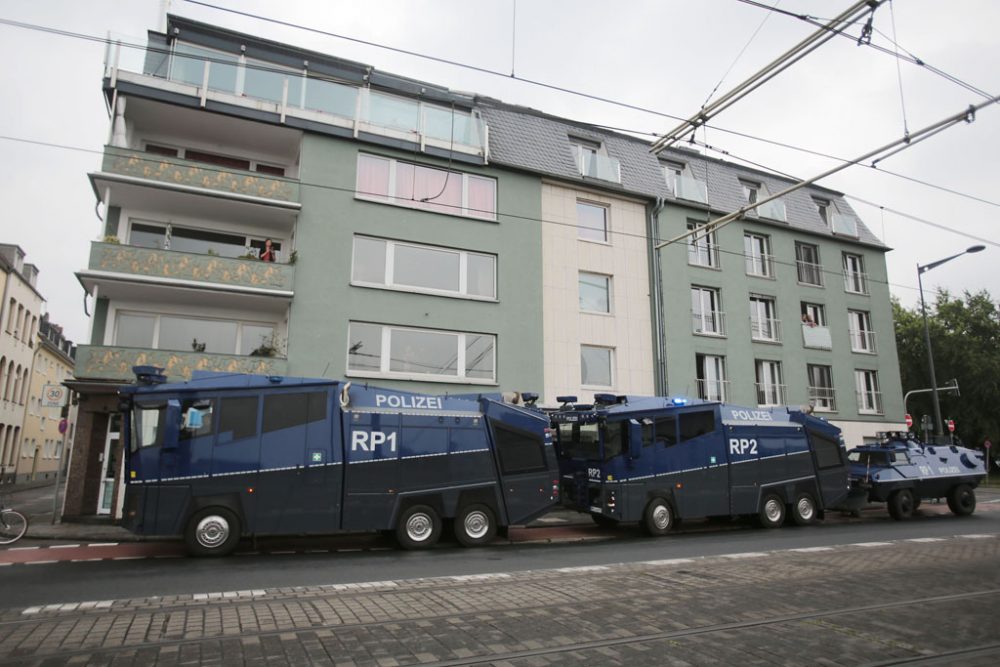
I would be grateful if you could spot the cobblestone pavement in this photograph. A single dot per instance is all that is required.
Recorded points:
(929, 601)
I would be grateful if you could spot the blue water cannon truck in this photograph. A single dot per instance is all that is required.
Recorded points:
(228, 455)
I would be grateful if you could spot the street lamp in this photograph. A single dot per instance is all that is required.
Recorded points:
(927, 332)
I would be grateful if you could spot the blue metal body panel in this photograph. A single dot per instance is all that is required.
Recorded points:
(314, 456)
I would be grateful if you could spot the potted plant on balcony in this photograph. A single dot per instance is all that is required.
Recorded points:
(270, 346)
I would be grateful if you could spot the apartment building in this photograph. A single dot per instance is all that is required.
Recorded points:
(44, 443)
(20, 312)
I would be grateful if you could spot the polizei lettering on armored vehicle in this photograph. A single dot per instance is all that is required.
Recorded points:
(408, 401)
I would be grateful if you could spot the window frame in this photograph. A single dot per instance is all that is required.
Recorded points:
(238, 341)
(875, 392)
(606, 209)
(702, 380)
(707, 244)
(762, 243)
(856, 275)
(717, 314)
(611, 366)
(769, 305)
(777, 375)
(609, 291)
(860, 318)
(389, 270)
(821, 404)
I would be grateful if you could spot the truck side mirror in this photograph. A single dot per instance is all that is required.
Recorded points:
(634, 439)
(171, 430)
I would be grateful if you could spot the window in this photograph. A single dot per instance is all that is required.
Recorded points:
(144, 234)
(750, 191)
(821, 394)
(197, 419)
(702, 247)
(592, 222)
(823, 208)
(672, 172)
(860, 328)
(593, 161)
(287, 410)
(614, 436)
(711, 377)
(420, 268)
(149, 426)
(666, 431)
(683, 184)
(696, 424)
(238, 419)
(869, 396)
(855, 279)
(706, 311)
(403, 352)
(757, 250)
(595, 293)
(770, 390)
(595, 366)
(829, 453)
(519, 451)
(763, 323)
(189, 334)
(216, 159)
(810, 272)
(427, 188)
(813, 314)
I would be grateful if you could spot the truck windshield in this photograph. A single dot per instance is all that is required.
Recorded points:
(584, 441)
(148, 429)
(869, 458)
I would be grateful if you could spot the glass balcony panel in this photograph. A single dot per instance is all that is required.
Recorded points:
(817, 337)
(330, 97)
(115, 363)
(595, 165)
(187, 65)
(264, 81)
(691, 189)
(446, 125)
(773, 210)
(392, 112)
(845, 225)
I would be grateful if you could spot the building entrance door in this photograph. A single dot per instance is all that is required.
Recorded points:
(109, 464)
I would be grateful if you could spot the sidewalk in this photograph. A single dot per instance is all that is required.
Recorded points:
(34, 500)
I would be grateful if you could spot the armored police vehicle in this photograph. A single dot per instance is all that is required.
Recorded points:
(901, 471)
(226, 455)
(658, 460)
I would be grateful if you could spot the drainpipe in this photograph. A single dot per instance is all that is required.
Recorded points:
(659, 343)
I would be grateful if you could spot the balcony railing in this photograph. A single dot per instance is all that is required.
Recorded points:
(768, 330)
(595, 165)
(114, 258)
(809, 273)
(267, 87)
(845, 225)
(817, 337)
(702, 253)
(870, 402)
(770, 394)
(863, 341)
(709, 323)
(856, 282)
(115, 363)
(773, 210)
(823, 399)
(713, 390)
(760, 265)
(176, 171)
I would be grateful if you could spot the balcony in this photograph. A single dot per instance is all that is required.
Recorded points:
(765, 330)
(596, 165)
(870, 402)
(154, 265)
(115, 363)
(816, 337)
(823, 399)
(691, 189)
(709, 323)
(189, 175)
(863, 341)
(773, 210)
(770, 395)
(844, 225)
(809, 273)
(713, 390)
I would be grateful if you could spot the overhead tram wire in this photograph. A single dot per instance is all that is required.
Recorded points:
(968, 115)
(737, 133)
(511, 216)
(766, 73)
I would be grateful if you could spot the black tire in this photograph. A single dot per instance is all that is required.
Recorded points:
(962, 500)
(213, 531)
(419, 527)
(772, 511)
(658, 518)
(604, 521)
(475, 526)
(901, 504)
(804, 511)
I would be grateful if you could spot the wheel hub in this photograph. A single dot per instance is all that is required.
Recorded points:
(476, 524)
(772, 509)
(661, 517)
(419, 527)
(212, 531)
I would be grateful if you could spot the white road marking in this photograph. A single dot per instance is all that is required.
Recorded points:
(23, 548)
(925, 539)
(667, 561)
(103, 544)
(31, 610)
(86, 560)
(976, 536)
(748, 554)
(64, 546)
(809, 550)
(583, 568)
(870, 544)
(41, 562)
(129, 557)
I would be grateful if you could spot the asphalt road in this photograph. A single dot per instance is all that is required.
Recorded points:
(69, 582)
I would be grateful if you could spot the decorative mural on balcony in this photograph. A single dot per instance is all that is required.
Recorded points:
(187, 266)
(183, 172)
(115, 363)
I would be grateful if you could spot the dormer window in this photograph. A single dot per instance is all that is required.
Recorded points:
(823, 206)
(682, 183)
(672, 172)
(592, 160)
(751, 191)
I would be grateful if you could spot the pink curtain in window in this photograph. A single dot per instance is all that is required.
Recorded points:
(441, 189)
(482, 197)
(373, 176)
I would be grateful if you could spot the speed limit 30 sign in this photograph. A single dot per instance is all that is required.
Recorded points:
(54, 396)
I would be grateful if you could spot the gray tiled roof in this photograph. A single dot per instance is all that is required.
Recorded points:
(526, 139)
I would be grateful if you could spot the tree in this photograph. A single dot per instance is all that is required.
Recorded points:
(965, 337)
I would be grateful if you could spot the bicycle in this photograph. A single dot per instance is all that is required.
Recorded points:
(13, 525)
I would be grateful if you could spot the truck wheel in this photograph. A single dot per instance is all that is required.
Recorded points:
(901, 504)
(475, 525)
(419, 527)
(658, 518)
(213, 531)
(772, 511)
(804, 510)
(962, 500)
(604, 521)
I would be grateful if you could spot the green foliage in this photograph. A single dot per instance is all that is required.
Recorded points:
(965, 337)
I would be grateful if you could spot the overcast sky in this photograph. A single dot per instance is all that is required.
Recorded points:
(664, 55)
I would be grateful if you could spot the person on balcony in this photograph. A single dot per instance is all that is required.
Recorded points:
(268, 254)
